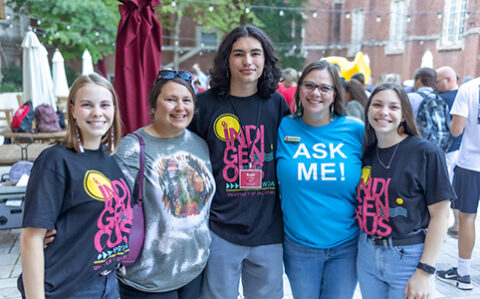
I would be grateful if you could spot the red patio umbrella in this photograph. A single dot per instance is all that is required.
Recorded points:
(137, 59)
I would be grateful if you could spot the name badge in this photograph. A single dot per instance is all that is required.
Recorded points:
(292, 139)
(250, 178)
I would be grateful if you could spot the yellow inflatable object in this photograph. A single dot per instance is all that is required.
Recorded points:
(349, 68)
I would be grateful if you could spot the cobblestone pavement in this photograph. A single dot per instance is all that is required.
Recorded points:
(10, 268)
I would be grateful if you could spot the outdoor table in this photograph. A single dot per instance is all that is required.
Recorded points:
(37, 137)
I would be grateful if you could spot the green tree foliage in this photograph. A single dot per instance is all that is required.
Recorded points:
(226, 14)
(285, 31)
(73, 25)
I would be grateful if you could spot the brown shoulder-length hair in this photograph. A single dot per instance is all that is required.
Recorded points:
(70, 139)
(408, 125)
(338, 101)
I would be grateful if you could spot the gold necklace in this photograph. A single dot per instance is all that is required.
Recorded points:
(391, 159)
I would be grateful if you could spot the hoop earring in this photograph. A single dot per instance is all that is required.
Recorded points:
(79, 140)
(332, 113)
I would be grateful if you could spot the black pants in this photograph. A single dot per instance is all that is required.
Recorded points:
(188, 291)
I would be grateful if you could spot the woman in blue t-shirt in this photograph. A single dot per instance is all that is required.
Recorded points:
(77, 187)
(318, 167)
(403, 201)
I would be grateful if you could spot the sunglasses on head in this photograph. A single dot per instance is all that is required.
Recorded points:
(169, 74)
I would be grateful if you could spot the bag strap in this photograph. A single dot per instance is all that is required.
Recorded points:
(142, 167)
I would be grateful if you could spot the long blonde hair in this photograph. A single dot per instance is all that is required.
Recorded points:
(70, 139)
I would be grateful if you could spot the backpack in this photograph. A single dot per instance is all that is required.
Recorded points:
(46, 119)
(23, 118)
(433, 120)
(18, 169)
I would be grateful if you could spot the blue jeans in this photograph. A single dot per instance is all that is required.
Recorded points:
(259, 266)
(102, 287)
(321, 273)
(383, 272)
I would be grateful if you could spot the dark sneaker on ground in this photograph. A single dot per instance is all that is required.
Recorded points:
(451, 276)
(452, 232)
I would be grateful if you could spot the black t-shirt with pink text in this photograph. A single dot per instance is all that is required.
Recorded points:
(243, 212)
(394, 202)
(85, 196)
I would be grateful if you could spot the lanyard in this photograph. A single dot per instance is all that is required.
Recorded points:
(249, 146)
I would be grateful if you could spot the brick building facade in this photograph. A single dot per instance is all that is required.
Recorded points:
(396, 33)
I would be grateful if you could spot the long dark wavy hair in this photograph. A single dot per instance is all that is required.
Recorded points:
(268, 81)
(407, 126)
(338, 101)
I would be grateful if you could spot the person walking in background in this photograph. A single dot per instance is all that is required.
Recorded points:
(318, 168)
(78, 187)
(447, 88)
(423, 84)
(360, 78)
(178, 191)
(355, 99)
(288, 87)
(239, 117)
(200, 76)
(403, 224)
(466, 179)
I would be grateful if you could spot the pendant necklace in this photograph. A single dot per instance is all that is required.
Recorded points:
(391, 159)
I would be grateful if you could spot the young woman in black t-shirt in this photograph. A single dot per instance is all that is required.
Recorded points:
(77, 187)
(403, 201)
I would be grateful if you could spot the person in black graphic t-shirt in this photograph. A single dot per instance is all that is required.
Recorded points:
(403, 201)
(77, 187)
(239, 117)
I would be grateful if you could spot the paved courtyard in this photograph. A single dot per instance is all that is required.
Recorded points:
(10, 268)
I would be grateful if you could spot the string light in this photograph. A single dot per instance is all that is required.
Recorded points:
(314, 14)
(379, 19)
(39, 22)
(347, 15)
(210, 8)
(409, 19)
(68, 27)
(281, 13)
(247, 9)
(174, 3)
(439, 15)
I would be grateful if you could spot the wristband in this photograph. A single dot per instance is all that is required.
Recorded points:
(426, 268)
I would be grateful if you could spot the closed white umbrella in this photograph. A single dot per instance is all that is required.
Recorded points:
(60, 85)
(87, 64)
(37, 79)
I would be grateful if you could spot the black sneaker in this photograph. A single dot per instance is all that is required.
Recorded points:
(451, 276)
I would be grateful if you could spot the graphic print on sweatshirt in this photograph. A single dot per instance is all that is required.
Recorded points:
(185, 182)
(375, 209)
(114, 222)
(243, 146)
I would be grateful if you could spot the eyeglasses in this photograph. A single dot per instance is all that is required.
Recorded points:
(169, 75)
(323, 88)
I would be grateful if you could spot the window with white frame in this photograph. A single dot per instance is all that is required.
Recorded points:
(205, 38)
(398, 25)
(455, 15)
(358, 24)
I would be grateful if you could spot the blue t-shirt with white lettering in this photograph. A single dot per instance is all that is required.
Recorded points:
(318, 169)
